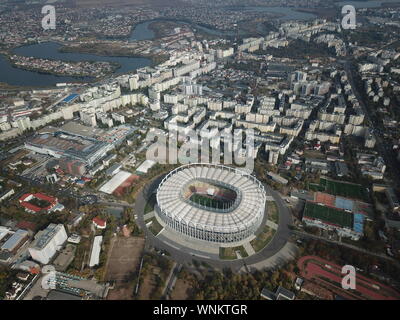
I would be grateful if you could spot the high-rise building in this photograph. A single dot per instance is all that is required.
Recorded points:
(47, 242)
(273, 157)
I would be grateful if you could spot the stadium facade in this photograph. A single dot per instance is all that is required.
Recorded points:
(211, 202)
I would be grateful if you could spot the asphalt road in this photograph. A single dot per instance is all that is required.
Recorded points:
(381, 144)
(185, 255)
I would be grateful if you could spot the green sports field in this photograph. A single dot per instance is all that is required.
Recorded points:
(339, 188)
(330, 215)
(209, 201)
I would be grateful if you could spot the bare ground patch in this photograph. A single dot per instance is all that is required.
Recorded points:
(122, 266)
(182, 290)
(149, 284)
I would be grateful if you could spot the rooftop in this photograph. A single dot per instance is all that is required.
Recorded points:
(45, 236)
(99, 222)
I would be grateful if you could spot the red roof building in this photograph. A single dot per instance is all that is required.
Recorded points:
(26, 199)
(99, 223)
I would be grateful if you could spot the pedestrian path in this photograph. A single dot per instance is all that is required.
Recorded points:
(249, 249)
(287, 253)
(179, 240)
(272, 225)
(148, 216)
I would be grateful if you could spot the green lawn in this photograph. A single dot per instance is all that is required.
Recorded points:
(230, 253)
(150, 204)
(262, 239)
(315, 187)
(339, 188)
(209, 201)
(155, 227)
(327, 214)
(343, 189)
(273, 214)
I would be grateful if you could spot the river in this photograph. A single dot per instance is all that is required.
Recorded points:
(143, 32)
(50, 50)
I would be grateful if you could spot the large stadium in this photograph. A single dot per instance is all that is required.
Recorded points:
(211, 202)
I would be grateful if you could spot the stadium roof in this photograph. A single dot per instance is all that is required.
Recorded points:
(249, 207)
(71, 145)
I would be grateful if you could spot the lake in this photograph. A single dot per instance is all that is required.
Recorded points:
(142, 32)
(49, 50)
